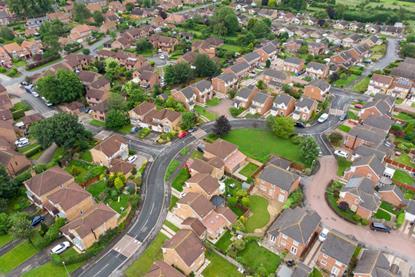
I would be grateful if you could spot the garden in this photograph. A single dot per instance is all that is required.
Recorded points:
(219, 266)
(259, 215)
(249, 170)
(343, 165)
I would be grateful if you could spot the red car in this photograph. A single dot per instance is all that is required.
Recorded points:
(183, 134)
(358, 106)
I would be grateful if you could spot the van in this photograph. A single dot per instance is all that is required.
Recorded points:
(380, 227)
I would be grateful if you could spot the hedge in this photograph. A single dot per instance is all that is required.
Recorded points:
(33, 151)
(42, 62)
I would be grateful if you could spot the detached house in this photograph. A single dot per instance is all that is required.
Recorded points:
(335, 254)
(372, 263)
(364, 135)
(267, 52)
(401, 88)
(243, 98)
(317, 70)
(283, 105)
(381, 105)
(81, 32)
(203, 184)
(304, 109)
(13, 162)
(317, 90)
(161, 269)
(184, 251)
(360, 195)
(232, 158)
(225, 82)
(40, 186)
(293, 64)
(252, 58)
(113, 147)
(369, 166)
(316, 48)
(16, 51)
(379, 84)
(293, 231)
(187, 96)
(164, 43)
(275, 78)
(207, 46)
(392, 194)
(240, 69)
(214, 167)
(193, 205)
(203, 90)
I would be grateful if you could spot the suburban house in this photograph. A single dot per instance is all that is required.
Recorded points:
(196, 226)
(5, 60)
(293, 64)
(69, 202)
(96, 96)
(392, 194)
(13, 162)
(275, 77)
(202, 183)
(317, 90)
(203, 90)
(293, 231)
(364, 135)
(215, 167)
(244, 97)
(276, 183)
(372, 263)
(379, 84)
(381, 105)
(218, 221)
(16, 51)
(232, 158)
(99, 111)
(316, 48)
(207, 46)
(261, 103)
(184, 251)
(113, 147)
(240, 69)
(40, 186)
(410, 211)
(161, 269)
(367, 166)
(194, 205)
(267, 52)
(360, 195)
(7, 131)
(335, 254)
(283, 105)
(304, 109)
(293, 46)
(80, 32)
(382, 123)
(401, 88)
(317, 70)
(164, 43)
(187, 96)
(86, 229)
(225, 82)
(251, 58)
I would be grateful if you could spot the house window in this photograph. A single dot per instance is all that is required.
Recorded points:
(323, 262)
(293, 250)
(335, 270)
(273, 238)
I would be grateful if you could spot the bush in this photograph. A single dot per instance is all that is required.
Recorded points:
(335, 138)
(51, 234)
(296, 139)
(42, 62)
(144, 132)
(235, 111)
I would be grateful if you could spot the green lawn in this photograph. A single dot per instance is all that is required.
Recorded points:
(345, 80)
(213, 102)
(382, 214)
(403, 177)
(405, 159)
(96, 188)
(405, 117)
(343, 165)
(143, 264)
(5, 239)
(16, 256)
(182, 177)
(254, 257)
(126, 129)
(171, 226)
(344, 128)
(173, 202)
(316, 273)
(260, 215)
(362, 85)
(196, 155)
(259, 144)
(249, 170)
(205, 113)
(173, 165)
(121, 205)
(97, 123)
(219, 266)
(185, 150)
(224, 242)
(233, 48)
(86, 156)
(378, 51)
(389, 207)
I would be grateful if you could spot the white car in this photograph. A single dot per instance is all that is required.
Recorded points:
(323, 234)
(323, 118)
(162, 57)
(46, 101)
(21, 140)
(132, 158)
(341, 153)
(35, 94)
(61, 247)
(22, 144)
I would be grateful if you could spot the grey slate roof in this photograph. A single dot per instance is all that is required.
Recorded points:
(338, 247)
(380, 122)
(278, 177)
(410, 208)
(269, 48)
(238, 67)
(227, 77)
(251, 56)
(373, 263)
(321, 84)
(188, 92)
(364, 150)
(203, 85)
(393, 188)
(260, 97)
(382, 103)
(293, 60)
(371, 161)
(305, 102)
(316, 66)
(368, 134)
(298, 224)
(283, 98)
(245, 92)
(276, 74)
(363, 188)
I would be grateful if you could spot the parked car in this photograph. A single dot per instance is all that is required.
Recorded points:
(34, 93)
(380, 227)
(343, 117)
(21, 140)
(299, 125)
(191, 130)
(22, 144)
(24, 84)
(323, 234)
(323, 118)
(60, 248)
(341, 153)
(358, 106)
(132, 159)
(37, 219)
(134, 130)
(183, 134)
(46, 101)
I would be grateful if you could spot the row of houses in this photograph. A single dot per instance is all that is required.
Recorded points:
(24, 51)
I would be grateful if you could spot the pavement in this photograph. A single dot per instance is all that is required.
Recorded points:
(315, 188)
(392, 54)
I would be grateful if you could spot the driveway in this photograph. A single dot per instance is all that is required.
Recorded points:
(394, 243)
(222, 108)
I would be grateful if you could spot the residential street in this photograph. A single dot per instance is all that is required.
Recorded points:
(315, 188)
(392, 54)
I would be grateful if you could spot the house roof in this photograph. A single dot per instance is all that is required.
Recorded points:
(205, 181)
(7, 154)
(68, 197)
(90, 221)
(321, 84)
(338, 247)
(200, 166)
(276, 74)
(261, 97)
(383, 104)
(239, 67)
(294, 60)
(410, 207)
(161, 269)
(279, 162)
(364, 189)
(227, 77)
(111, 145)
(195, 224)
(144, 108)
(187, 245)
(381, 122)
(283, 98)
(298, 223)
(373, 162)
(220, 148)
(383, 79)
(245, 92)
(251, 56)
(227, 213)
(199, 203)
(96, 93)
(305, 102)
(373, 263)
(394, 189)
(203, 85)
(118, 165)
(317, 66)
(88, 76)
(368, 134)
(278, 177)
(364, 150)
(48, 180)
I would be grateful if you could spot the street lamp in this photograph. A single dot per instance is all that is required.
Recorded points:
(66, 270)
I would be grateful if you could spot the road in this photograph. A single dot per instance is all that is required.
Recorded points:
(390, 56)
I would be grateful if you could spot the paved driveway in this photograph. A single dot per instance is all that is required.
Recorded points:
(395, 243)
(222, 108)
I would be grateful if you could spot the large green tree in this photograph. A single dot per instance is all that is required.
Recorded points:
(30, 8)
(62, 128)
(63, 87)
(9, 188)
(116, 119)
(282, 127)
(309, 150)
(205, 67)
(21, 227)
(224, 21)
(6, 33)
(179, 73)
(189, 120)
(81, 13)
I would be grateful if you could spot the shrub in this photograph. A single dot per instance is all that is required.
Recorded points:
(335, 138)
(235, 111)
(296, 139)
(33, 151)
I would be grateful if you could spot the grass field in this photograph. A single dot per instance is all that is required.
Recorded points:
(173, 165)
(382, 214)
(344, 128)
(96, 188)
(224, 242)
(173, 202)
(345, 80)
(16, 256)
(219, 266)
(260, 215)
(255, 257)
(405, 159)
(153, 253)
(362, 85)
(249, 170)
(259, 144)
(171, 226)
(5, 239)
(97, 123)
(205, 113)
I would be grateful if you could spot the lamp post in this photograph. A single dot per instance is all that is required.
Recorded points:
(66, 270)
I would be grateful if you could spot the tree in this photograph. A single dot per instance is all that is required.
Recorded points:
(268, 63)
(5, 223)
(261, 85)
(65, 86)
(335, 138)
(86, 51)
(113, 70)
(9, 188)
(205, 67)
(32, 8)
(408, 50)
(118, 183)
(297, 5)
(21, 227)
(98, 18)
(309, 150)
(222, 126)
(81, 13)
(179, 73)
(282, 127)
(129, 7)
(116, 119)
(6, 33)
(143, 45)
(224, 21)
(259, 28)
(62, 128)
(117, 102)
(189, 120)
